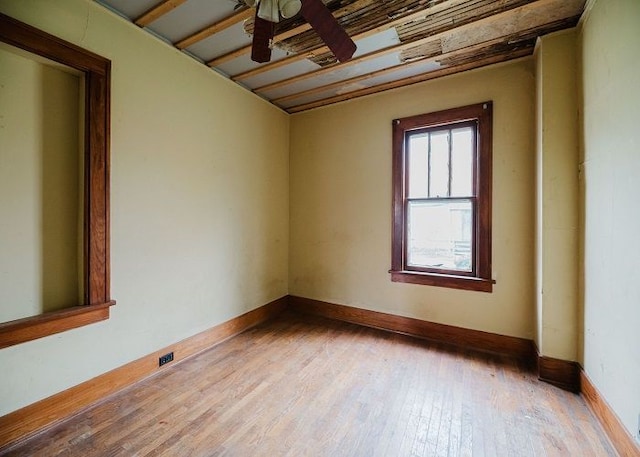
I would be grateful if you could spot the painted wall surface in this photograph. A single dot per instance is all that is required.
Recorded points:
(557, 196)
(341, 202)
(39, 187)
(199, 206)
(207, 222)
(611, 167)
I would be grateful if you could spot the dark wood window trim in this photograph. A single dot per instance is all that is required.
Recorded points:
(97, 71)
(480, 277)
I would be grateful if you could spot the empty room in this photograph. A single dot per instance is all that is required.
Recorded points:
(319, 228)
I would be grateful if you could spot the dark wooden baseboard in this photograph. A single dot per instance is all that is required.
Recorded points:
(27, 421)
(561, 373)
(519, 348)
(564, 374)
(620, 438)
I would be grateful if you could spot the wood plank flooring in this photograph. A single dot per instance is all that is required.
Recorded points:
(306, 386)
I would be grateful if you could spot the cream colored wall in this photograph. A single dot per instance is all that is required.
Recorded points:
(39, 186)
(610, 55)
(200, 208)
(341, 202)
(199, 204)
(557, 196)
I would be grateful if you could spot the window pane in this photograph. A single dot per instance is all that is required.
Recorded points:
(418, 165)
(439, 177)
(462, 151)
(439, 234)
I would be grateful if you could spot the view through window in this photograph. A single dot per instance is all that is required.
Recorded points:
(440, 200)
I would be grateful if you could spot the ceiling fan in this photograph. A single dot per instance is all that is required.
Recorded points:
(315, 12)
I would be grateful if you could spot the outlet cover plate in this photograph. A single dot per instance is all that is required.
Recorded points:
(165, 359)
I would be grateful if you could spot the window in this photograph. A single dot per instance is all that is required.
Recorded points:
(442, 198)
(95, 303)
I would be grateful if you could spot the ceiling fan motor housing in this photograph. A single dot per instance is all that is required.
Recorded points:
(271, 10)
(289, 8)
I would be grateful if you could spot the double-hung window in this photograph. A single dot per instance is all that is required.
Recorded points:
(442, 198)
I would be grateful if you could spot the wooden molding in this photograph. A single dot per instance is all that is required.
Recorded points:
(96, 244)
(25, 422)
(560, 373)
(442, 280)
(479, 118)
(618, 434)
(31, 328)
(519, 348)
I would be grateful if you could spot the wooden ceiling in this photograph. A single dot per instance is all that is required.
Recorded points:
(400, 42)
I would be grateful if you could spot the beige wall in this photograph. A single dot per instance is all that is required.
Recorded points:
(557, 196)
(341, 202)
(611, 166)
(207, 223)
(199, 204)
(39, 186)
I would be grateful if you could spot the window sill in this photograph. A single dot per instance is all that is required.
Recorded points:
(441, 280)
(31, 328)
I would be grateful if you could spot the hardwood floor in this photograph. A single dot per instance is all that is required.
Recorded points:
(306, 386)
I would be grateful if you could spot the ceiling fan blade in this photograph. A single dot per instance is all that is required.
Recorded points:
(332, 33)
(262, 34)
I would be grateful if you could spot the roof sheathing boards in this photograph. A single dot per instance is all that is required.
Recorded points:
(335, 76)
(371, 17)
(399, 42)
(347, 87)
(459, 13)
(381, 40)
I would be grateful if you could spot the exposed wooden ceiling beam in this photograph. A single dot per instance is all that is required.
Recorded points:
(324, 70)
(354, 80)
(271, 66)
(229, 56)
(399, 20)
(409, 80)
(355, 61)
(157, 11)
(385, 71)
(534, 14)
(219, 26)
(520, 37)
